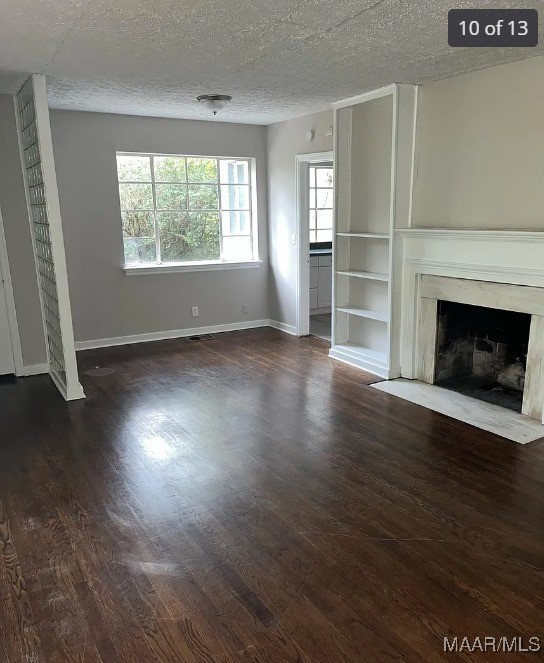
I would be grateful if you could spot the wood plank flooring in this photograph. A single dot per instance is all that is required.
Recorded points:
(249, 499)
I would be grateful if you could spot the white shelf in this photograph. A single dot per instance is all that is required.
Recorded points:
(362, 351)
(364, 313)
(367, 235)
(372, 276)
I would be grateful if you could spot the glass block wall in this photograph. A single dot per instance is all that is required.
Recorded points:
(59, 347)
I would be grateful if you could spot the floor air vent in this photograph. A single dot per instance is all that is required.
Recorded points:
(202, 337)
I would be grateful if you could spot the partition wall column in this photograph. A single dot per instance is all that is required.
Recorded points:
(34, 132)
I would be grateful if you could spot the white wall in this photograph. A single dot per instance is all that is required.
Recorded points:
(285, 141)
(19, 240)
(480, 160)
(105, 302)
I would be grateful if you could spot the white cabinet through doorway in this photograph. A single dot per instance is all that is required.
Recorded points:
(320, 282)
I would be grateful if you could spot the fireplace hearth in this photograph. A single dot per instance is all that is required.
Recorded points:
(482, 352)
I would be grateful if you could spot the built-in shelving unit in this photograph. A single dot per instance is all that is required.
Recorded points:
(373, 170)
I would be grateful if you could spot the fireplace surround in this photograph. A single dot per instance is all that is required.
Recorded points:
(495, 269)
(499, 296)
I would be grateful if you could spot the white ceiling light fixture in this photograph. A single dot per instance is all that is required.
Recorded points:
(214, 102)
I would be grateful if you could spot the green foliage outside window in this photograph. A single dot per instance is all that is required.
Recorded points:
(189, 236)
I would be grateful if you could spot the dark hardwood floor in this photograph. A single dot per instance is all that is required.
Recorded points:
(249, 499)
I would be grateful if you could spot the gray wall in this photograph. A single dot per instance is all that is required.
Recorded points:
(19, 240)
(285, 141)
(480, 149)
(105, 302)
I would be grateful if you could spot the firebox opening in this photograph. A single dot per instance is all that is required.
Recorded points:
(482, 352)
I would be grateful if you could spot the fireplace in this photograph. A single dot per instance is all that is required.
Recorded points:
(482, 352)
(498, 270)
(483, 339)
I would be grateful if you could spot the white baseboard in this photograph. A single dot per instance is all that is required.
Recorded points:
(288, 329)
(174, 333)
(34, 369)
(320, 311)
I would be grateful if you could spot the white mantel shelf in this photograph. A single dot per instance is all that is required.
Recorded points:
(470, 234)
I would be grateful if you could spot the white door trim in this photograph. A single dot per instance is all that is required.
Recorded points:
(5, 276)
(302, 294)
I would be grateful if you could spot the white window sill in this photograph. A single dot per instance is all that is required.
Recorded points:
(141, 270)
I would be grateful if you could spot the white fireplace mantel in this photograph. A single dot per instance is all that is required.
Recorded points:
(504, 256)
(499, 256)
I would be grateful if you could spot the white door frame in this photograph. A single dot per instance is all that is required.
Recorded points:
(5, 276)
(302, 295)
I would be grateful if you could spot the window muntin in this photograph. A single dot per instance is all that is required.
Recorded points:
(320, 203)
(178, 209)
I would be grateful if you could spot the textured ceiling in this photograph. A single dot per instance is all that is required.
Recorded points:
(277, 58)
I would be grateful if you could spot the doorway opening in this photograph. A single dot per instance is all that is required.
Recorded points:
(315, 189)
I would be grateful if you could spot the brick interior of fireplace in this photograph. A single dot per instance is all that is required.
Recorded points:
(481, 352)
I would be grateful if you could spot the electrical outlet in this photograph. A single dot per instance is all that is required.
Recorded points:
(194, 311)
(293, 239)
(244, 308)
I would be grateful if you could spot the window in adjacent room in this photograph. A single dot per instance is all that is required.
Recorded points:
(320, 205)
(183, 209)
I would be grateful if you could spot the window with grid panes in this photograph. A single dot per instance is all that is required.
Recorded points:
(320, 204)
(182, 209)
